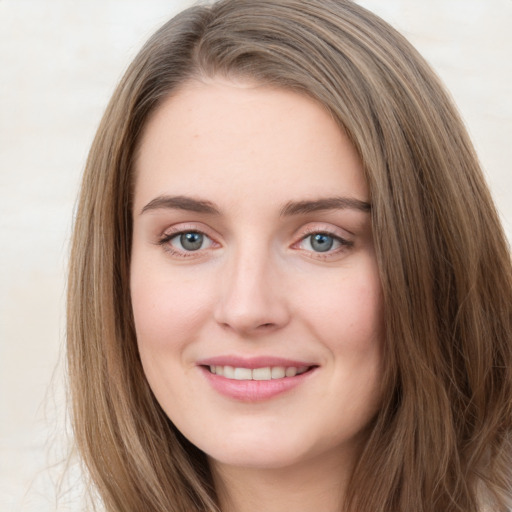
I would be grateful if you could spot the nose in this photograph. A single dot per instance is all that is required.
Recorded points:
(253, 298)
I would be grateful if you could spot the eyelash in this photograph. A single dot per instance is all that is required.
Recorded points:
(344, 244)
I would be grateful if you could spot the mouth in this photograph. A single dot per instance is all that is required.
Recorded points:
(255, 379)
(260, 374)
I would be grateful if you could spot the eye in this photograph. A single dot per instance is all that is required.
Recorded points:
(323, 243)
(185, 242)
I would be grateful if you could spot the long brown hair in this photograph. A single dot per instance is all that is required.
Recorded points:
(442, 439)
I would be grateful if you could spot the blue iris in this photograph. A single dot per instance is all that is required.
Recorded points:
(191, 241)
(321, 242)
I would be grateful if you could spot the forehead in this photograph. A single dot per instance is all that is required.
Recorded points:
(240, 139)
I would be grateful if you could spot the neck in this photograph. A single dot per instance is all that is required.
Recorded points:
(308, 487)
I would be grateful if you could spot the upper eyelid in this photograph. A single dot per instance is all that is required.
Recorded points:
(170, 236)
(320, 227)
(185, 227)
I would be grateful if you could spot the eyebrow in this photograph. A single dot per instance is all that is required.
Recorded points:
(289, 209)
(181, 203)
(329, 203)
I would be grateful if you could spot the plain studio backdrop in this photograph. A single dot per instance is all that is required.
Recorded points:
(59, 63)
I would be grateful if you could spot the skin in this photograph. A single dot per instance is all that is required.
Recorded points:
(258, 286)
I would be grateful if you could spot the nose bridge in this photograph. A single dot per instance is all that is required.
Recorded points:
(250, 290)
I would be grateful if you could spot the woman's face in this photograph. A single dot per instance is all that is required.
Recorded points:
(254, 282)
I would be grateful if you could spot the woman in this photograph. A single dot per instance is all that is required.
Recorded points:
(289, 287)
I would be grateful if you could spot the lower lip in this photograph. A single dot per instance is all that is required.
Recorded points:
(254, 390)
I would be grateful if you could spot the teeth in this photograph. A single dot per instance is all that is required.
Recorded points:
(278, 372)
(262, 374)
(265, 373)
(291, 372)
(243, 374)
(228, 372)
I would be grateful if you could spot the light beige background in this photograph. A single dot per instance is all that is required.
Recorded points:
(59, 62)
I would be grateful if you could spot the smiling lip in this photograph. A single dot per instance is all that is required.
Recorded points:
(286, 375)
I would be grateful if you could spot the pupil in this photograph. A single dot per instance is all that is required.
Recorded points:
(321, 242)
(191, 241)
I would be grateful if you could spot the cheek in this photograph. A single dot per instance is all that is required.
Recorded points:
(347, 312)
(169, 316)
(166, 307)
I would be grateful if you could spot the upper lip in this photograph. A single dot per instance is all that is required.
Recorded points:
(252, 362)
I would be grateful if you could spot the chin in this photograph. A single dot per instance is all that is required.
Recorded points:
(256, 457)
(268, 451)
